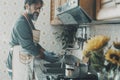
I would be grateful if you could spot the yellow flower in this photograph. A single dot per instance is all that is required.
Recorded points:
(113, 56)
(95, 43)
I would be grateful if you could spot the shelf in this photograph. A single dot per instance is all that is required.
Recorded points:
(99, 22)
(95, 22)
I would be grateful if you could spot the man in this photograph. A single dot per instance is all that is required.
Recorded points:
(24, 43)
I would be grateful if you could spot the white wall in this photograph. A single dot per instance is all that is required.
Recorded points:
(110, 30)
(9, 10)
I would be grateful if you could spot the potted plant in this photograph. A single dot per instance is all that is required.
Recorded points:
(67, 37)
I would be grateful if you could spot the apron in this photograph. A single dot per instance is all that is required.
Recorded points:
(23, 62)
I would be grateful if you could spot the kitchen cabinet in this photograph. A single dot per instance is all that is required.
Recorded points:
(106, 17)
(53, 14)
(98, 3)
(88, 5)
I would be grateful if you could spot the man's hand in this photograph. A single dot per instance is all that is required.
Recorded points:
(50, 57)
(41, 55)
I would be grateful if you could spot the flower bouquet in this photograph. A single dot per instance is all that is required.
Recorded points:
(113, 57)
(94, 50)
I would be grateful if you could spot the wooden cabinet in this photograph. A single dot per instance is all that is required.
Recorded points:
(54, 5)
(88, 5)
(98, 6)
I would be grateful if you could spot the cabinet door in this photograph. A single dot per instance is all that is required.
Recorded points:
(54, 5)
(89, 6)
(98, 6)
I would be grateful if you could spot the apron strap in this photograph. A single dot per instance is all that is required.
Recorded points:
(26, 17)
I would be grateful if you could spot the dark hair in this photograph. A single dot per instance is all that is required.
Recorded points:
(30, 2)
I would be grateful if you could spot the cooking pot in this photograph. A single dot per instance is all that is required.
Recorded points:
(72, 71)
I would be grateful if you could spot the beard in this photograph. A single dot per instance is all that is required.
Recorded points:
(33, 16)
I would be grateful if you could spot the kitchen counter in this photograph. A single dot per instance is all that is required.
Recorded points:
(38, 72)
(41, 76)
(42, 72)
(43, 69)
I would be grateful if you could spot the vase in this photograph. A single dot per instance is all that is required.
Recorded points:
(117, 74)
(111, 75)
